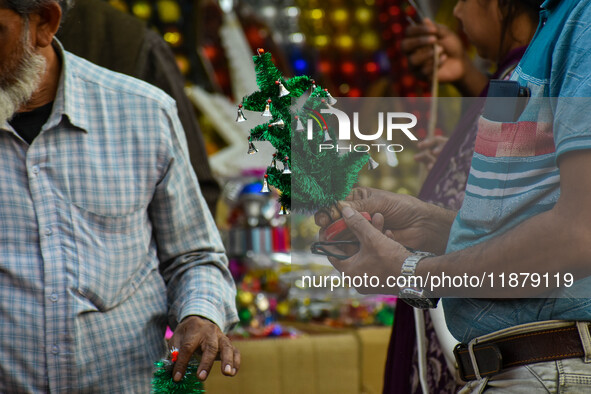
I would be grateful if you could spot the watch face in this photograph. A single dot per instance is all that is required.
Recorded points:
(421, 303)
(416, 298)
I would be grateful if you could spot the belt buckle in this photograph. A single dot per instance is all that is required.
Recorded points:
(478, 361)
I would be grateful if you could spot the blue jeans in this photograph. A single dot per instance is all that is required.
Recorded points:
(571, 375)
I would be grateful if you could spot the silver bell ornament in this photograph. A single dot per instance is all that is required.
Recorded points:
(331, 100)
(265, 188)
(299, 125)
(282, 90)
(267, 111)
(327, 137)
(286, 169)
(280, 123)
(251, 148)
(240, 117)
(372, 164)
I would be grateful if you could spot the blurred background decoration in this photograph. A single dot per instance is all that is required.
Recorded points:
(352, 48)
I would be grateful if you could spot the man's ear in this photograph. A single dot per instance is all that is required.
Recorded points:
(44, 24)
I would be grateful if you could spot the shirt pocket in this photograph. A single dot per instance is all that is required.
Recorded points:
(495, 139)
(106, 184)
(114, 255)
(482, 208)
(512, 160)
(115, 197)
(514, 139)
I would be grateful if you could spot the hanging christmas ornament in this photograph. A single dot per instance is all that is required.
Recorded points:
(331, 100)
(283, 211)
(174, 354)
(274, 161)
(299, 125)
(240, 117)
(327, 137)
(251, 148)
(265, 188)
(282, 90)
(262, 302)
(267, 111)
(286, 169)
(372, 164)
(260, 51)
(280, 123)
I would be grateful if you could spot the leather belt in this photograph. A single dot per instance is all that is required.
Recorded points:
(527, 348)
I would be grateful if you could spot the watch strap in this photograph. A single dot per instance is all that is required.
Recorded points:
(409, 266)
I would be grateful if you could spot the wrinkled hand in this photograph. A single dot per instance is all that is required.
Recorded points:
(379, 254)
(196, 333)
(429, 150)
(419, 44)
(408, 218)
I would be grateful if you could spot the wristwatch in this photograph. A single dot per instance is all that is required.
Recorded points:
(412, 294)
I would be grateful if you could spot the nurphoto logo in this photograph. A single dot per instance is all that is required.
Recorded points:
(394, 122)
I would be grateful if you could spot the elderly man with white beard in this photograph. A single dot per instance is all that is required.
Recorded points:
(105, 237)
(20, 77)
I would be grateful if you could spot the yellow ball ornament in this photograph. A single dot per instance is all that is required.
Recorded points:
(142, 9)
(364, 15)
(245, 298)
(317, 14)
(173, 37)
(283, 308)
(321, 41)
(345, 41)
(169, 11)
(369, 41)
(340, 16)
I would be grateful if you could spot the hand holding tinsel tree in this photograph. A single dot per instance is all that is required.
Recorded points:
(309, 179)
(162, 382)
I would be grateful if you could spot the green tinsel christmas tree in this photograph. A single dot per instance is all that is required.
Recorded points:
(309, 179)
(162, 382)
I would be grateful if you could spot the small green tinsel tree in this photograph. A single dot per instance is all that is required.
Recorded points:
(162, 382)
(317, 179)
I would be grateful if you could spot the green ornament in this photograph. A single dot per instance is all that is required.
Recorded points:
(245, 316)
(385, 316)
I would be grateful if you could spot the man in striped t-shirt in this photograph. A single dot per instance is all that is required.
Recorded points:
(523, 229)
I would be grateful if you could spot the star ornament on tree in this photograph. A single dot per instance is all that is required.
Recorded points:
(309, 178)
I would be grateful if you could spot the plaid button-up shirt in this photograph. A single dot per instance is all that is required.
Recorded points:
(104, 239)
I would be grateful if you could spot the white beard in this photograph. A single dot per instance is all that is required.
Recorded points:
(17, 88)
